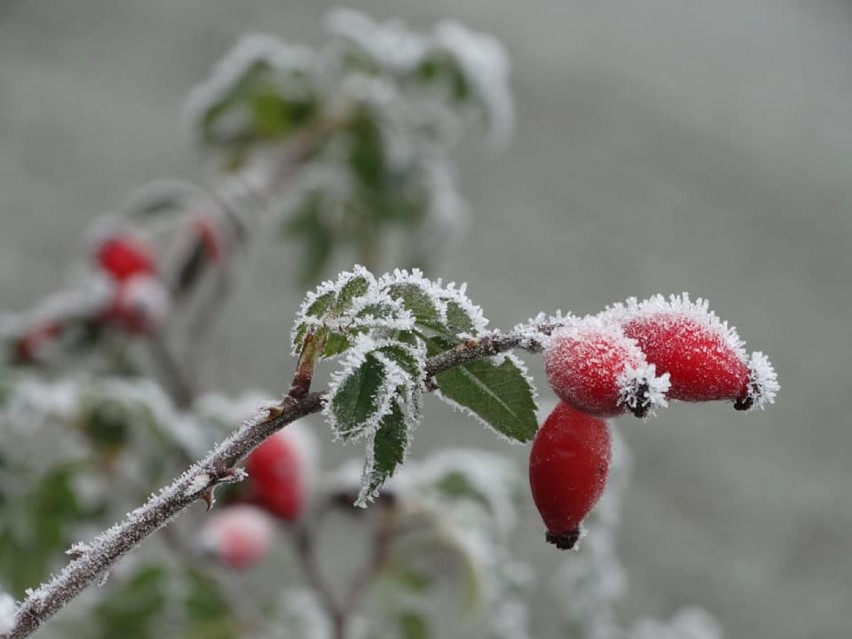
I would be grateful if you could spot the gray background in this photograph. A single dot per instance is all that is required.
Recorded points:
(662, 146)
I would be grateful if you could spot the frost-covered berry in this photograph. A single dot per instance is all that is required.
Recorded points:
(238, 536)
(569, 464)
(703, 356)
(139, 304)
(125, 256)
(595, 368)
(279, 471)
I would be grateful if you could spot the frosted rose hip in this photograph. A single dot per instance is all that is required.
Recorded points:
(592, 366)
(703, 356)
(280, 471)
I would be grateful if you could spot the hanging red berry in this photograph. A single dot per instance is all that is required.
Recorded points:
(595, 368)
(238, 536)
(278, 474)
(704, 357)
(125, 256)
(569, 464)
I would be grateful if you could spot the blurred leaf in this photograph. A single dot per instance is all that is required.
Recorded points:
(208, 611)
(413, 625)
(132, 610)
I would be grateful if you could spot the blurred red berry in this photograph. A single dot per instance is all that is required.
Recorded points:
(595, 368)
(569, 464)
(238, 536)
(125, 256)
(139, 304)
(277, 474)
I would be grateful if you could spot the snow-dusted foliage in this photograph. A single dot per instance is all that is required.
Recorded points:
(383, 330)
(373, 117)
(450, 570)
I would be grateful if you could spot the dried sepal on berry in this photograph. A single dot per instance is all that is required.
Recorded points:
(595, 368)
(703, 355)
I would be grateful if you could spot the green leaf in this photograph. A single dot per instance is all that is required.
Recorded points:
(354, 288)
(355, 404)
(501, 396)
(417, 301)
(413, 625)
(458, 319)
(389, 447)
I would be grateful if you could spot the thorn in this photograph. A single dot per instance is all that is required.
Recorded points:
(273, 412)
(209, 498)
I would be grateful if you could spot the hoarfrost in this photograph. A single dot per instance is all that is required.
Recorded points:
(763, 381)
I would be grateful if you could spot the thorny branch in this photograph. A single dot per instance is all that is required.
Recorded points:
(218, 466)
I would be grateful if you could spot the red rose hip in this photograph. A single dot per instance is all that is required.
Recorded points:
(125, 256)
(592, 366)
(569, 464)
(704, 356)
(277, 473)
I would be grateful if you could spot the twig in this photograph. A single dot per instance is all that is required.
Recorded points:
(217, 467)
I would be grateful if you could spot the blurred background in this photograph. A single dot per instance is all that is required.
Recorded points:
(661, 146)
